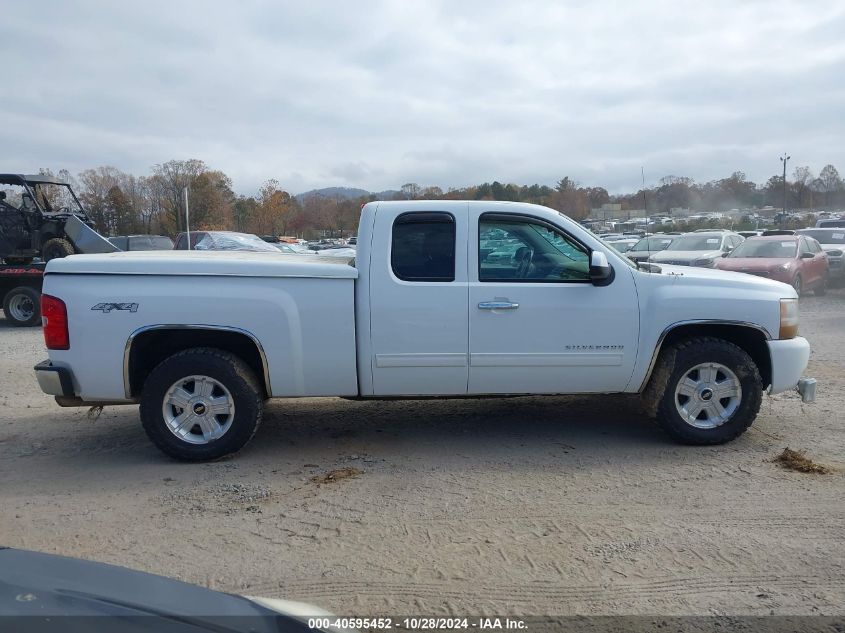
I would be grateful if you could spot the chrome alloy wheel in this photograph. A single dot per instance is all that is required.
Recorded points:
(21, 308)
(708, 395)
(198, 409)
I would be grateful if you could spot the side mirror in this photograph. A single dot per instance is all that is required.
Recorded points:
(807, 255)
(601, 272)
(726, 253)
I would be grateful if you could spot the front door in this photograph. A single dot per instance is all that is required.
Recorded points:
(537, 323)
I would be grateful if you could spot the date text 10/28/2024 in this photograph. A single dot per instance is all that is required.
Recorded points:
(418, 623)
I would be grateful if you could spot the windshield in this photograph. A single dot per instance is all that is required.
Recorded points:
(653, 243)
(696, 243)
(781, 249)
(55, 197)
(825, 236)
(622, 246)
(608, 245)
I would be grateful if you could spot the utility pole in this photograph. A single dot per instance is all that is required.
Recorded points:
(784, 160)
(187, 220)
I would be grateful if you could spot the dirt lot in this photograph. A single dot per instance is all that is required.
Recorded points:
(525, 506)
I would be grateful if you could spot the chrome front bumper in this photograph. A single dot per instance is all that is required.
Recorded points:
(54, 380)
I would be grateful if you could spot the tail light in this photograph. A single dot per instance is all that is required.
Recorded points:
(54, 322)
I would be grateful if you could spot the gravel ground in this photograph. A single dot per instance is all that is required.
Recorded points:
(529, 506)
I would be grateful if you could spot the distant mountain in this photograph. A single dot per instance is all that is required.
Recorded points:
(347, 193)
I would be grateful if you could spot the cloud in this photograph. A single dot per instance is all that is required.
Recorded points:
(376, 94)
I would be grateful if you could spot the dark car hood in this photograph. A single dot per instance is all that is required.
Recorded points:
(40, 592)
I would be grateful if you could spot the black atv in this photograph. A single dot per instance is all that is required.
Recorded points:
(36, 219)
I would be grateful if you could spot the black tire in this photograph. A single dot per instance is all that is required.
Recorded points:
(674, 364)
(223, 367)
(22, 306)
(56, 248)
(798, 284)
(822, 289)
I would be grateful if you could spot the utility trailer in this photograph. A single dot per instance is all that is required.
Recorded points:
(20, 293)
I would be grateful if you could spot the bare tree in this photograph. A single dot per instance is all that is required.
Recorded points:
(831, 183)
(802, 177)
(174, 176)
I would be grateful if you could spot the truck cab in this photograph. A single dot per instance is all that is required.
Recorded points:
(502, 299)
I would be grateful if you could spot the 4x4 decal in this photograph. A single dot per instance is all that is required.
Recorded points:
(105, 308)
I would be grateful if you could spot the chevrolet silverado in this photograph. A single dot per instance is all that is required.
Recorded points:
(444, 298)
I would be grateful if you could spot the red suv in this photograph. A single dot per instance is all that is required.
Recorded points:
(796, 260)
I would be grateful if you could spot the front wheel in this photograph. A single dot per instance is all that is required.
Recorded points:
(798, 284)
(821, 290)
(712, 394)
(201, 404)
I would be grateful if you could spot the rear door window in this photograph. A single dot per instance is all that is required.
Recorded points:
(423, 247)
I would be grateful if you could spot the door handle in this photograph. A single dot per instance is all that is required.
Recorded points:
(497, 305)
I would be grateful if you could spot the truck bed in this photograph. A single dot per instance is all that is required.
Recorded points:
(298, 309)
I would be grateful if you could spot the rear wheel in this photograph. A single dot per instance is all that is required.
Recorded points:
(56, 248)
(712, 393)
(22, 306)
(201, 404)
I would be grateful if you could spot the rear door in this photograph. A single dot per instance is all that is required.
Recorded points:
(418, 300)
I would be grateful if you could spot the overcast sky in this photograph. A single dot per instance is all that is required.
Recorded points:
(373, 95)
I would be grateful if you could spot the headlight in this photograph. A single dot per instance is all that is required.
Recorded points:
(788, 318)
(834, 253)
(784, 266)
(706, 262)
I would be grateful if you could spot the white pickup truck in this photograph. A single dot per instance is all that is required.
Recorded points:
(444, 298)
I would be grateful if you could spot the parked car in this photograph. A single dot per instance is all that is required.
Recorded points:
(795, 260)
(142, 242)
(778, 232)
(698, 249)
(623, 245)
(45, 592)
(422, 312)
(294, 249)
(830, 224)
(224, 241)
(832, 242)
(345, 252)
(648, 246)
